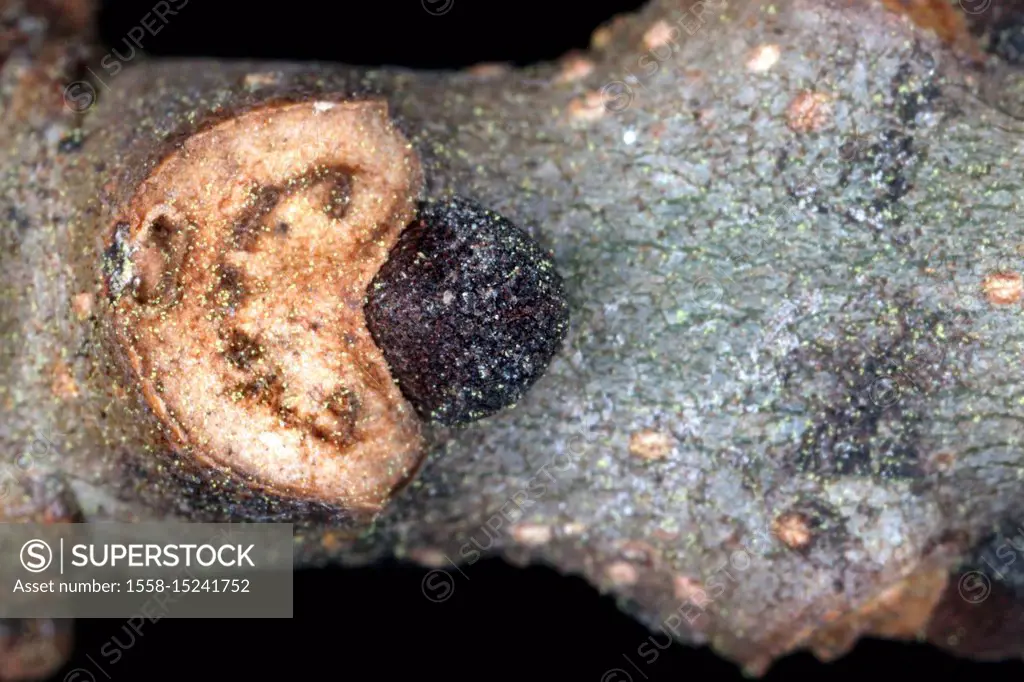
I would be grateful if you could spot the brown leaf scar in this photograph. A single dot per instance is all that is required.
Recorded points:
(236, 275)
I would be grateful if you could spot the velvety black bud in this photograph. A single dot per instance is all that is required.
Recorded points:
(468, 311)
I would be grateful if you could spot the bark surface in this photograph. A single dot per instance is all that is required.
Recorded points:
(788, 412)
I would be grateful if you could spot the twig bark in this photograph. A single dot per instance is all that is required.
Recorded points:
(788, 413)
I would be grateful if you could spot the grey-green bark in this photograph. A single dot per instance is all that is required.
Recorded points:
(801, 311)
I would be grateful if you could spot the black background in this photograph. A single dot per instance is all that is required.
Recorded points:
(375, 622)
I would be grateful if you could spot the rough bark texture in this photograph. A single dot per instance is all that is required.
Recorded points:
(788, 412)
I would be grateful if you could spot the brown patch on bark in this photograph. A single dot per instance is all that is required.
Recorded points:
(939, 16)
(1003, 288)
(33, 649)
(900, 611)
(651, 444)
(808, 112)
(793, 530)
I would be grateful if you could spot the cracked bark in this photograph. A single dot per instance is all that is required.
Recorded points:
(788, 412)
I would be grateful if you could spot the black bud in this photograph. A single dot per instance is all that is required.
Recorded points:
(468, 311)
